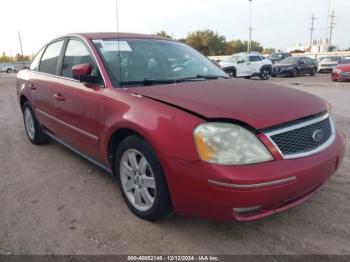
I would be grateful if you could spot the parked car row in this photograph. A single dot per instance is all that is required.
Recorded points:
(248, 65)
(13, 67)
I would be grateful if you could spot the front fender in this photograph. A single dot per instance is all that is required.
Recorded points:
(167, 129)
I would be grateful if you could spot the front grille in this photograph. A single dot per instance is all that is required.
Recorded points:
(303, 139)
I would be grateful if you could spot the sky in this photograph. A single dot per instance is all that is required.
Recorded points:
(276, 23)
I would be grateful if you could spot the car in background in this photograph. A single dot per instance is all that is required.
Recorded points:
(295, 66)
(326, 64)
(247, 65)
(8, 68)
(276, 57)
(342, 70)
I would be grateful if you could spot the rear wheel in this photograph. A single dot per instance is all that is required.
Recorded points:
(32, 126)
(9, 70)
(231, 73)
(265, 73)
(141, 179)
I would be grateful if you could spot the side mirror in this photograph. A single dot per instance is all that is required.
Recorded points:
(82, 72)
(301, 62)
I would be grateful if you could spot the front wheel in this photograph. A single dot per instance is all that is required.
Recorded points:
(313, 72)
(265, 74)
(32, 126)
(141, 179)
(9, 70)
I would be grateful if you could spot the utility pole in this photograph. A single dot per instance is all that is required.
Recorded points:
(312, 29)
(20, 42)
(331, 27)
(249, 49)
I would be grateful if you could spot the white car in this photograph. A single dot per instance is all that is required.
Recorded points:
(326, 64)
(8, 68)
(247, 65)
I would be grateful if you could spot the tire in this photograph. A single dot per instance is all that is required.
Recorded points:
(247, 77)
(313, 72)
(295, 73)
(144, 191)
(32, 126)
(231, 73)
(9, 70)
(265, 73)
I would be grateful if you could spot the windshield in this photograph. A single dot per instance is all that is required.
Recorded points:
(330, 59)
(153, 61)
(289, 60)
(345, 60)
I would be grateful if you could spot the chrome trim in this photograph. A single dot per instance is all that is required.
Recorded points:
(304, 124)
(68, 125)
(264, 184)
(54, 137)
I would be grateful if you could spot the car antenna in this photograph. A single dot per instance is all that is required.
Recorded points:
(118, 41)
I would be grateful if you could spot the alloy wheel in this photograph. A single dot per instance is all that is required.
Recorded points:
(137, 180)
(29, 123)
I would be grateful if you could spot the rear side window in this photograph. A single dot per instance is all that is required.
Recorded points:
(254, 58)
(34, 66)
(50, 58)
(76, 53)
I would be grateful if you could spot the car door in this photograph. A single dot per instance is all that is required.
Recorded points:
(256, 63)
(304, 67)
(76, 104)
(243, 66)
(43, 82)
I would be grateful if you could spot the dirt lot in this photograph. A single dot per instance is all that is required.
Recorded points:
(54, 202)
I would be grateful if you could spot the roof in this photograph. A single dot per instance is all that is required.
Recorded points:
(107, 35)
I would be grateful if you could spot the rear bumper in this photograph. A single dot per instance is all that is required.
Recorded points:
(194, 194)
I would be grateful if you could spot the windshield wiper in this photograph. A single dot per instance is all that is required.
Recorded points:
(147, 82)
(198, 77)
(151, 81)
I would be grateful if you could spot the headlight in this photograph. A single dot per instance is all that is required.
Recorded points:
(229, 144)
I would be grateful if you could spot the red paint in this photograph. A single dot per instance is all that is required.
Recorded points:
(344, 68)
(86, 117)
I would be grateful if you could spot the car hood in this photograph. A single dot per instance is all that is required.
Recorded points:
(226, 64)
(259, 105)
(344, 67)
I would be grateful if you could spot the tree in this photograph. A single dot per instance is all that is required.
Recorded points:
(347, 49)
(163, 34)
(21, 58)
(238, 46)
(4, 58)
(207, 42)
(269, 50)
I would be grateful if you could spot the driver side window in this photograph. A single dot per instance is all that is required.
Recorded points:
(77, 53)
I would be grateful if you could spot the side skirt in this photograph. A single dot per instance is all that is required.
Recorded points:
(100, 165)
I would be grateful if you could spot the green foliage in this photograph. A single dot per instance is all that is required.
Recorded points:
(269, 50)
(18, 58)
(163, 34)
(207, 42)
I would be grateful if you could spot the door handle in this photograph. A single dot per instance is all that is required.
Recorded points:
(59, 97)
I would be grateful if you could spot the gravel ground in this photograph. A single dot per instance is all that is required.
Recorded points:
(54, 202)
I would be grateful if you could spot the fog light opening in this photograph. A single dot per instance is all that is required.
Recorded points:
(246, 209)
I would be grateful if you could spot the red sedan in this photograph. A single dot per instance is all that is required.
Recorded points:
(342, 70)
(177, 133)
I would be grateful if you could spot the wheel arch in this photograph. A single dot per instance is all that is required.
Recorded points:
(22, 100)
